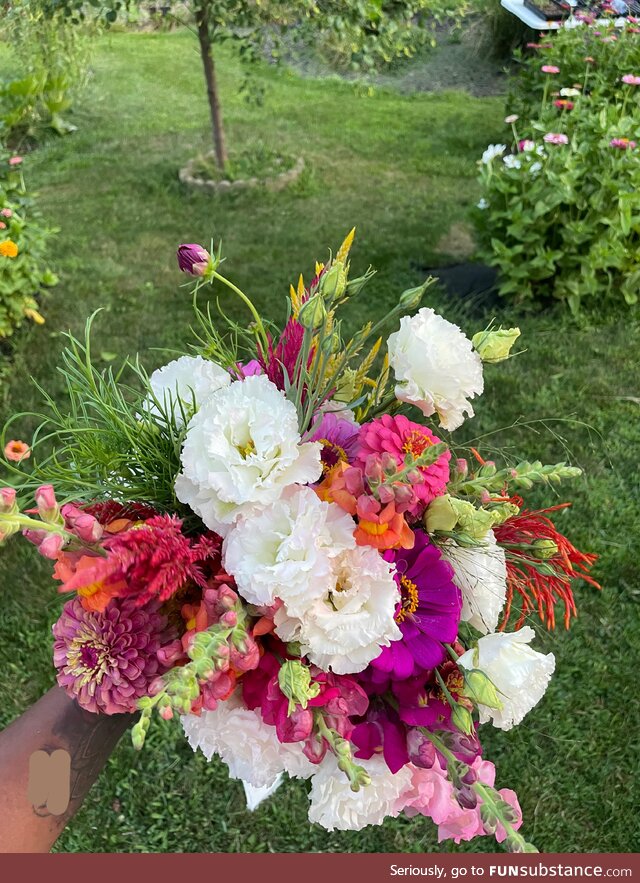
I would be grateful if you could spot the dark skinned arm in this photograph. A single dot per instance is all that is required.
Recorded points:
(40, 793)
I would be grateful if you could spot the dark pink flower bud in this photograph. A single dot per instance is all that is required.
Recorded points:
(230, 619)
(166, 712)
(462, 467)
(193, 259)
(51, 545)
(373, 470)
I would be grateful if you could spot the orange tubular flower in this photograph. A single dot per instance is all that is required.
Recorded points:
(381, 526)
(541, 563)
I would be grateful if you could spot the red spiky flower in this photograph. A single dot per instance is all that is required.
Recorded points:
(541, 564)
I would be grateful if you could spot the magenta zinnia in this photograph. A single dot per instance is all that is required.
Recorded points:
(107, 660)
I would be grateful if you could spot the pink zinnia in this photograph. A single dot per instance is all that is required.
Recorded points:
(107, 661)
(622, 143)
(526, 145)
(550, 69)
(564, 104)
(399, 436)
(556, 138)
(15, 160)
(6, 212)
(631, 80)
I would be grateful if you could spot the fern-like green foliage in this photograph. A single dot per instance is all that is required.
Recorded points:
(111, 440)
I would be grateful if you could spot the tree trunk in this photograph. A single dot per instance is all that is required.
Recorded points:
(212, 88)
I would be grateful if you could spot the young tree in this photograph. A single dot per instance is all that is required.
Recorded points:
(360, 34)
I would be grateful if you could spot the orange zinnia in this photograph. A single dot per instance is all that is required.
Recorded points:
(8, 249)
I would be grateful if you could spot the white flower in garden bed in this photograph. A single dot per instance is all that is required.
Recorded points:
(436, 367)
(493, 151)
(241, 451)
(480, 572)
(345, 629)
(521, 675)
(286, 550)
(183, 385)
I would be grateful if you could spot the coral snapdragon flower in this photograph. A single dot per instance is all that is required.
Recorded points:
(381, 526)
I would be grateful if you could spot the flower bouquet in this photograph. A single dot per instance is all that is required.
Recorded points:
(266, 539)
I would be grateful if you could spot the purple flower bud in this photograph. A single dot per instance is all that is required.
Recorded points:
(469, 777)
(193, 259)
(466, 748)
(467, 798)
(422, 752)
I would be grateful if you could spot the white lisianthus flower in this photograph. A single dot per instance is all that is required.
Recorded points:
(286, 550)
(570, 92)
(250, 747)
(183, 385)
(345, 629)
(492, 151)
(241, 451)
(521, 675)
(335, 805)
(480, 572)
(435, 366)
(511, 161)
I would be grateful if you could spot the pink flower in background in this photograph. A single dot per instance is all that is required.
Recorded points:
(512, 118)
(526, 145)
(107, 661)
(17, 451)
(590, 60)
(6, 213)
(556, 138)
(622, 143)
(631, 80)
(550, 69)
(564, 104)
(15, 160)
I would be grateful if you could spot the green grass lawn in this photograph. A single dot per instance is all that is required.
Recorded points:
(401, 168)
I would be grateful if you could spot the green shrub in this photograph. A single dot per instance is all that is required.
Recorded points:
(562, 220)
(23, 268)
(50, 59)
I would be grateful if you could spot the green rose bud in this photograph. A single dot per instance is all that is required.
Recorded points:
(333, 283)
(495, 346)
(544, 549)
(440, 515)
(462, 720)
(481, 689)
(312, 314)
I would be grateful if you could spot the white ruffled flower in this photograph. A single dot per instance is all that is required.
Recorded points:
(335, 805)
(250, 747)
(480, 572)
(492, 151)
(183, 385)
(521, 675)
(241, 451)
(286, 551)
(436, 367)
(511, 161)
(535, 167)
(345, 629)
